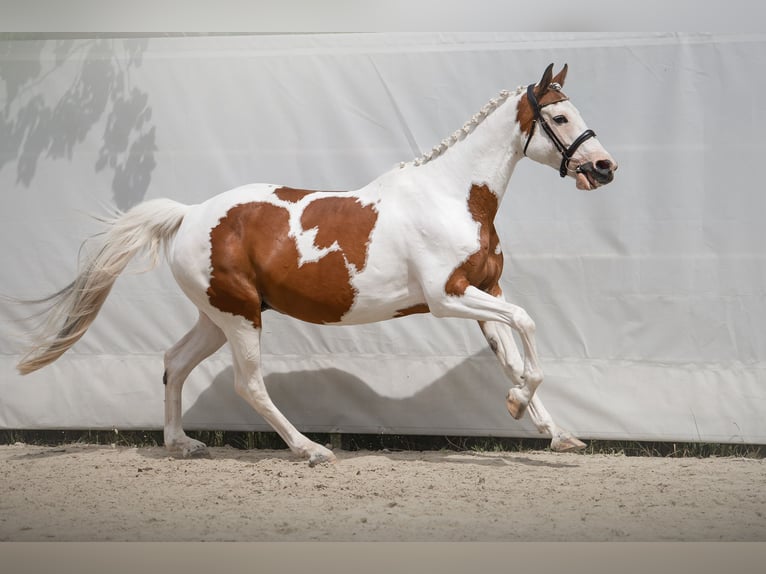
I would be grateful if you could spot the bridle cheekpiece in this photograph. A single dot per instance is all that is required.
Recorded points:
(566, 152)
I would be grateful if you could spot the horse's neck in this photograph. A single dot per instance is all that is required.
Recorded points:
(485, 156)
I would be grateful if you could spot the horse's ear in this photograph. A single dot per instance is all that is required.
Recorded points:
(543, 84)
(561, 76)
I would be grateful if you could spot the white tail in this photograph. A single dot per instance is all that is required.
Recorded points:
(71, 311)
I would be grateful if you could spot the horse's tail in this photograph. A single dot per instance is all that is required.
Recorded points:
(70, 312)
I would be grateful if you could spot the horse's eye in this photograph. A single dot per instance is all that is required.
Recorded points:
(560, 119)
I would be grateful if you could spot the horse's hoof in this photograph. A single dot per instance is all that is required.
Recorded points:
(321, 457)
(195, 449)
(515, 406)
(566, 443)
(197, 453)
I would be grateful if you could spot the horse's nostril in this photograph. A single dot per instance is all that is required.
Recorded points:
(603, 165)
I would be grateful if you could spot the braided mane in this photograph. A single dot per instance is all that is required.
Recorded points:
(467, 128)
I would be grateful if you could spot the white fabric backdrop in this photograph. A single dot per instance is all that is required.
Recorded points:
(649, 295)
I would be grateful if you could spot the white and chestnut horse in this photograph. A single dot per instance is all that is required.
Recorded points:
(419, 238)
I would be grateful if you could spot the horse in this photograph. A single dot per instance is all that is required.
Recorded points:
(419, 238)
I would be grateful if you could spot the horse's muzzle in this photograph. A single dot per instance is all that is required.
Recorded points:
(601, 173)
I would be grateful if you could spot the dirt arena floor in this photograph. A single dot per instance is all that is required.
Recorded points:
(101, 493)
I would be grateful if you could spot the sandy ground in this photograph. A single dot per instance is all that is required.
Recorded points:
(101, 493)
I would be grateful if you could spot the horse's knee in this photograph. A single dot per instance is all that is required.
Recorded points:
(525, 323)
(533, 378)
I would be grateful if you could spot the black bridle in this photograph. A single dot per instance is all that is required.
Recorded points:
(566, 152)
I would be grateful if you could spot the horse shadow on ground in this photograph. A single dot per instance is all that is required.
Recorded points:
(497, 460)
(327, 400)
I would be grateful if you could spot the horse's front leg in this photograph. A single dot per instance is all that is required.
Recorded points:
(500, 339)
(476, 304)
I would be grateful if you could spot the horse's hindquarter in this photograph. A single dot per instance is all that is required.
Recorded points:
(190, 255)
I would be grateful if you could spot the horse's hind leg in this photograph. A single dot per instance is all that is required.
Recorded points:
(500, 339)
(204, 339)
(248, 380)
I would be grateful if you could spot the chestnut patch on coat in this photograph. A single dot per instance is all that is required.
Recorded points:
(419, 308)
(232, 281)
(255, 263)
(524, 114)
(345, 221)
(290, 194)
(483, 268)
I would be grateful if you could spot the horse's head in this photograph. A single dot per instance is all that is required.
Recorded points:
(553, 133)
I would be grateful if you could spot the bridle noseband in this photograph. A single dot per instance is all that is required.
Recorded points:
(566, 152)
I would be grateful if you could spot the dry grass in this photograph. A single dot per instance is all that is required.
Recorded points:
(379, 442)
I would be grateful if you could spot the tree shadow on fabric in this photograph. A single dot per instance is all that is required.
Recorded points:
(43, 119)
